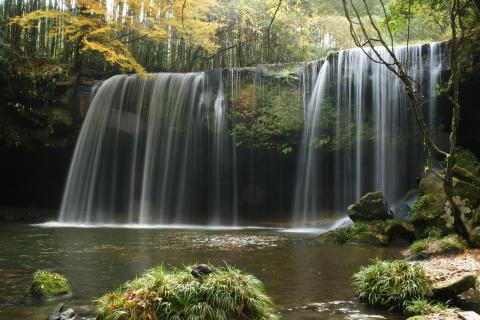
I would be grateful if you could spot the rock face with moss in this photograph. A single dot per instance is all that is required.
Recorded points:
(371, 206)
(48, 285)
(225, 293)
(431, 214)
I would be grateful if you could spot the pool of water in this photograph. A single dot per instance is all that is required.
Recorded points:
(306, 280)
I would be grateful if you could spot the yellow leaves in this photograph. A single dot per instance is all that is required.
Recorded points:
(116, 53)
(29, 20)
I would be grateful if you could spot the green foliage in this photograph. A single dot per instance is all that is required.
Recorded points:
(427, 208)
(391, 284)
(48, 284)
(338, 130)
(31, 112)
(446, 245)
(225, 294)
(424, 307)
(429, 19)
(468, 160)
(268, 117)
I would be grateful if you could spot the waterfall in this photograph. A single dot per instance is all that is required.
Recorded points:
(153, 150)
(164, 149)
(359, 134)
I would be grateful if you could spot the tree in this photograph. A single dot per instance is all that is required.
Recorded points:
(110, 29)
(382, 36)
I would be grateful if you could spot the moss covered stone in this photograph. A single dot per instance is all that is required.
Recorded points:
(47, 285)
(450, 244)
(226, 293)
(428, 216)
(371, 232)
(371, 206)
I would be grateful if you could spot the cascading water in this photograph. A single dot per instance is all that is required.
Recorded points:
(153, 150)
(359, 133)
(162, 149)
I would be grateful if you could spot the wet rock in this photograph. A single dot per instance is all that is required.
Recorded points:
(430, 183)
(404, 208)
(371, 206)
(469, 315)
(399, 231)
(201, 270)
(59, 314)
(475, 237)
(452, 287)
(467, 190)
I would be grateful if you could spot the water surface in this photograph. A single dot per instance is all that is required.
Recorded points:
(307, 281)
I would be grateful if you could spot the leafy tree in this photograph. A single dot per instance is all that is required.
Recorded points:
(460, 14)
(108, 29)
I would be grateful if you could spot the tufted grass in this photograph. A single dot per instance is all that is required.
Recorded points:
(391, 284)
(225, 294)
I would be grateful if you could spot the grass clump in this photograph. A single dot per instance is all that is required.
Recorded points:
(225, 294)
(391, 284)
(47, 284)
(450, 244)
(424, 307)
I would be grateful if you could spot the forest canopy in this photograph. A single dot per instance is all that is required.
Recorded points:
(186, 35)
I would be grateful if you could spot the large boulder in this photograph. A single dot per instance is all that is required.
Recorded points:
(399, 231)
(60, 314)
(467, 190)
(371, 206)
(431, 183)
(451, 287)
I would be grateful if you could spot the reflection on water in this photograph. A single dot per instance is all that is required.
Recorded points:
(307, 281)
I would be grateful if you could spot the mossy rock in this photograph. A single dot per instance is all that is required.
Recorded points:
(372, 232)
(431, 184)
(399, 230)
(48, 285)
(466, 190)
(359, 232)
(468, 160)
(429, 217)
(451, 287)
(451, 244)
(372, 206)
(225, 293)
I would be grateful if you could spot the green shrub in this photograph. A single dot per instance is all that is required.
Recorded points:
(47, 284)
(225, 294)
(424, 307)
(391, 284)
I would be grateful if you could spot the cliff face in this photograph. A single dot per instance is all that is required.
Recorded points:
(265, 113)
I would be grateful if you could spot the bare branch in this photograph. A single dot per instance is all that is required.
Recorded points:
(271, 23)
